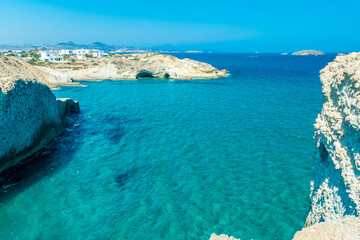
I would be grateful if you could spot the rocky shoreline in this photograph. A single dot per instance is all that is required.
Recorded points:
(30, 117)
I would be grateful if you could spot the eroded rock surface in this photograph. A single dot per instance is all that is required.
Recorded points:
(30, 116)
(222, 237)
(14, 68)
(346, 229)
(335, 190)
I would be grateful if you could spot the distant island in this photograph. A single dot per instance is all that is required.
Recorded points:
(308, 53)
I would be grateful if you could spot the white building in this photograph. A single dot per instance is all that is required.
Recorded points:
(51, 56)
(58, 55)
(68, 52)
(82, 53)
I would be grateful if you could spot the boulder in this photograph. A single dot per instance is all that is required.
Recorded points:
(30, 117)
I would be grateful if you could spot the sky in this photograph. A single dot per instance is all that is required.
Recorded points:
(221, 26)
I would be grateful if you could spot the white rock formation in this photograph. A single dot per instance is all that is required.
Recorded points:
(222, 237)
(308, 53)
(347, 229)
(335, 190)
(13, 67)
(30, 116)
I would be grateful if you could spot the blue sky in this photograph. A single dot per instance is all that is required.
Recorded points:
(224, 26)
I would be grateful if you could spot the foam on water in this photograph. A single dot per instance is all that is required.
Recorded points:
(166, 159)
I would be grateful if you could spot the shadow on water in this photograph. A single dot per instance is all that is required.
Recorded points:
(114, 127)
(43, 163)
(60, 151)
(125, 176)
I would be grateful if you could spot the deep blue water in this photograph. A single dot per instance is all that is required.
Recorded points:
(159, 159)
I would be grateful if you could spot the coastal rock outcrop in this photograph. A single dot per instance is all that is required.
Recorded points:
(308, 53)
(13, 67)
(30, 116)
(335, 190)
(222, 237)
(134, 66)
(347, 228)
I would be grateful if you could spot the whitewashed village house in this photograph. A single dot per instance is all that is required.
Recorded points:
(51, 56)
(57, 55)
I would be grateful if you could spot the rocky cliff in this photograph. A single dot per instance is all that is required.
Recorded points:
(30, 116)
(335, 190)
(347, 228)
(13, 67)
(134, 66)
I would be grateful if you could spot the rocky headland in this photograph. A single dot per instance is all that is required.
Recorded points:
(134, 66)
(308, 53)
(14, 68)
(30, 115)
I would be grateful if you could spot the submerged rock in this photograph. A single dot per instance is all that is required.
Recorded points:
(308, 53)
(30, 116)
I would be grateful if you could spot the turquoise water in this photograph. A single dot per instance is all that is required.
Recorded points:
(159, 159)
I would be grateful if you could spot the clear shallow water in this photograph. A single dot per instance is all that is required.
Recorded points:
(158, 159)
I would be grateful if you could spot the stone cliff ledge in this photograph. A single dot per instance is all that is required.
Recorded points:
(30, 116)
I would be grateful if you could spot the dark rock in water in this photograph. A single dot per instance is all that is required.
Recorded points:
(115, 134)
(124, 177)
(71, 106)
(115, 126)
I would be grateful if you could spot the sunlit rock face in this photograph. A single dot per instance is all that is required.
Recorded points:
(335, 190)
(15, 68)
(222, 237)
(30, 116)
(346, 228)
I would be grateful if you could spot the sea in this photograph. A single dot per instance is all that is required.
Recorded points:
(176, 159)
